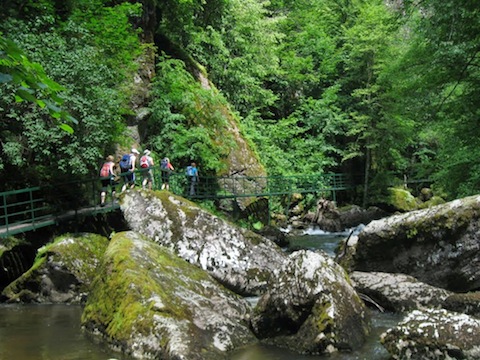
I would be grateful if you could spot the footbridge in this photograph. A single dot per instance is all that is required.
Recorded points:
(32, 208)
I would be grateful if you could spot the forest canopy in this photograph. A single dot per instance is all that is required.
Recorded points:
(381, 90)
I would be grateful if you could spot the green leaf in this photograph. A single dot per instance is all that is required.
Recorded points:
(26, 95)
(40, 103)
(257, 225)
(66, 128)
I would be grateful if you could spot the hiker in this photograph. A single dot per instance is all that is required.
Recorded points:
(192, 175)
(127, 166)
(166, 167)
(107, 178)
(146, 162)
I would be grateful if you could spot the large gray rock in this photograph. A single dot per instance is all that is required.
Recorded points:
(62, 272)
(398, 292)
(238, 258)
(439, 245)
(434, 334)
(311, 307)
(151, 304)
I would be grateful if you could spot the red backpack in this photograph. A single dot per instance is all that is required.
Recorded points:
(105, 170)
(144, 162)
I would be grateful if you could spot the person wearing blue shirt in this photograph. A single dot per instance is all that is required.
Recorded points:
(192, 174)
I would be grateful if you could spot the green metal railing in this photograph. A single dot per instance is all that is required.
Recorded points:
(33, 208)
(29, 209)
(245, 186)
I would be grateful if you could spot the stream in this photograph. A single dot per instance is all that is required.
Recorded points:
(53, 332)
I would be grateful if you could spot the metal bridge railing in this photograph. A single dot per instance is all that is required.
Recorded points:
(246, 186)
(29, 209)
(24, 206)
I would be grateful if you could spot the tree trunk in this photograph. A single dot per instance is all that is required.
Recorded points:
(365, 180)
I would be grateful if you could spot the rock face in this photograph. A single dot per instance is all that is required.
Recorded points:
(240, 259)
(439, 246)
(16, 257)
(151, 304)
(465, 303)
(327, 217)
(62, 272)
(354, 215)
(398, 292)
(244, 167)
(311, 307)
(434, 334)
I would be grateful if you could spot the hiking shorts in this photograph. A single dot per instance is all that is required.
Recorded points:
(128, 176)
(147, 174)
(106, 183)
(165, 176)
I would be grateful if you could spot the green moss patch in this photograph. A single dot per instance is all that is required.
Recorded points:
(146, 297)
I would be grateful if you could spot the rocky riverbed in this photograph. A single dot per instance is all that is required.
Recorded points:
(176, 283)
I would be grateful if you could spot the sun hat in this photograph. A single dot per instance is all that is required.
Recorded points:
(135, 151)
(147, 152)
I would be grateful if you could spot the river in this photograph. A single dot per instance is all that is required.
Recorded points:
(53, 332)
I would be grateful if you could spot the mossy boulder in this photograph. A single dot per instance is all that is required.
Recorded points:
(311, 307)
(438, 245)
(62, 272)
(434, 334)
(402, 200)
(151, 304)
(433, 201)
(238, 258)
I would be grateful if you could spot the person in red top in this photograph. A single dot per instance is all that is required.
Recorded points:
(107, 178)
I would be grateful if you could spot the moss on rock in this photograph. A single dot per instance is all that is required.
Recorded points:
(62, 271)
(438, 245)
(230, 254)
(311, 307)
(402, 200)
(152, 304)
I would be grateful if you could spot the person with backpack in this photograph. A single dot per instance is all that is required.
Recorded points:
(146, 162)
(127, 166)
(166, 167)
(192, 175)
(107, 178)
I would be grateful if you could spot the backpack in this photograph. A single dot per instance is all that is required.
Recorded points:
(189, 171)
(144, 162)
(105, 170)
(164, 164)
(125, 163)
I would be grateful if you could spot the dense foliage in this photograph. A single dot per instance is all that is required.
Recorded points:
(73, 52)
(178, 129)
(383, 90)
